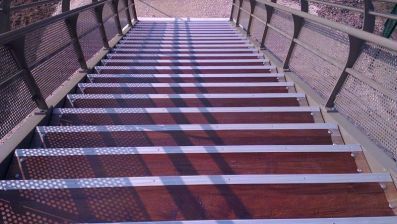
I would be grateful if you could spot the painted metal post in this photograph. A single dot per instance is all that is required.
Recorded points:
(269, 14)
(71, 24)
(5, 23)
(355, 48)
(298, 24)
(231, 13)
(17, 49)
(116, 16)
(252, 9)
(99, 17)
(240, 3)
(134, 10)
(127, 11)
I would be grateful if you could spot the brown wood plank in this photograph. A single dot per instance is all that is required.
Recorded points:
(185, 164)
(197, 202)
(193, 63)
(185, 138)
(192, 57)
(182, 71)
(172, 90)
(183, 118)
(198, 102)
(184, 80)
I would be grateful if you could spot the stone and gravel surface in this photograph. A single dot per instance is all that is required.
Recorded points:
(184, 8)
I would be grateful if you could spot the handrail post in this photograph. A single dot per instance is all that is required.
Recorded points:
(269, 14)
(127, 11)
(71, 24)
(355, 48)
(17, 49)
(240, 3)
(231, 13)
(98, 14)
(252, 9)
(298, 24)
(5, 23)
(116, 16)
(134, 10)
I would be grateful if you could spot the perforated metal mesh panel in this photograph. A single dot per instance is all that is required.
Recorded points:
(15, 99)
(244, 16)
(45, 41)
(276, 43)
(317, 72)
(235, 11)
(257, 26)
(379, 65)
(56, 70)
(373, 112)
(109, 22)
(89, 35)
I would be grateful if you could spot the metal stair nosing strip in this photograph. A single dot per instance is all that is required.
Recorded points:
(57, 152)
(136, 45)
(259, 60)
(184, 42)
(253, 50)
(185, 96)
(171, 54)
(181, 38)
(87, 183)
(171, 85)
(345, 220)
(146, 68)
(184, 127)
(239, 75)
(60, 111)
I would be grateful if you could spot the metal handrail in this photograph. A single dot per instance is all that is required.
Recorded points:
(14, 40)
(12, 35)
(357, 38)
(368, 37)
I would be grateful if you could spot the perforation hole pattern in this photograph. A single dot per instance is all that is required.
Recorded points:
(15, 99)
(275, 42)
(373, 112)
(57, 69)
(89, 35)
(109, 22)
(318, 73)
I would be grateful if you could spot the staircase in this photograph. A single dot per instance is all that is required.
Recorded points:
(184, 121)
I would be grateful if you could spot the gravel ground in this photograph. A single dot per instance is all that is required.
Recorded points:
(184, 8)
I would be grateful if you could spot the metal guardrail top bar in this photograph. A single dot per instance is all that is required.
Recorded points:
(368, 37)
(15, 34)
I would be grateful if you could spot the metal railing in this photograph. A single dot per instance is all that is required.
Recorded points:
(35, 60)
(357, 41)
